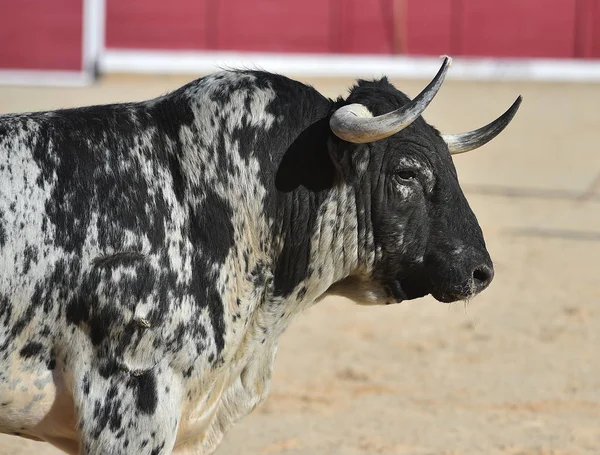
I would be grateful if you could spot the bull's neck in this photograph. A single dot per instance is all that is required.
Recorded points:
(318, 242)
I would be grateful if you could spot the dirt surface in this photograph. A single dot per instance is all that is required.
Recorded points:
(517, 371)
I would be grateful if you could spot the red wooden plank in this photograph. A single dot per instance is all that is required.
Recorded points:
(517, 28)
(587, 43)
(429, 27)
(584, 28)
(594, 14)
(41, 34)
(157, 24)
(365, 26)
(274, 25)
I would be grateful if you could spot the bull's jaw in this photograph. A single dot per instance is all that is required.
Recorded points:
(363, 291)
(395, 291)
(374, 292)
(410, 287)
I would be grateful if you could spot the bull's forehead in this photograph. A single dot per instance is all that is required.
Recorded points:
(419, 145)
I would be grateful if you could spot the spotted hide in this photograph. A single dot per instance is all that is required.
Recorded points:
(153, 253)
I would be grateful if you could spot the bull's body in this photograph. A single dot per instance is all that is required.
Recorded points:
(139, 300)
(153, 253)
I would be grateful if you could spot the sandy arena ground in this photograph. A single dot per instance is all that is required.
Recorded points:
(517, 372)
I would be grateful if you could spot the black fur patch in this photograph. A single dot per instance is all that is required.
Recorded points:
(146, 392)
(31, 349)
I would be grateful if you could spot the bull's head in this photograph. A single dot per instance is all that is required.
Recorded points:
(427, 239)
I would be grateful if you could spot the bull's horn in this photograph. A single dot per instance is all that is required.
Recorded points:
(354, 122)
(465, 142)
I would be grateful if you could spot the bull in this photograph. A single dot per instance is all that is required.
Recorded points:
(154, 252)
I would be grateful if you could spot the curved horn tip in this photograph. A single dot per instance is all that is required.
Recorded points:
(465, 142)
(519, 100)
(512, 110)
(447, 58)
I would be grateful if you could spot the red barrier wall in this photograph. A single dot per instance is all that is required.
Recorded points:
(507, 28)
(320, 26)
(364, 27)
(429, 27)
(158, 24)
(587, 31)
(41, 34)
(516, 28)
(274, 25)
(44, 34)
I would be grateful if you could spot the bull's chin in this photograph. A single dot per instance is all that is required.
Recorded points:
(373, 292)
(449, 296)
(445, 298)
(405, 290)
(399, 291)
(395, 291)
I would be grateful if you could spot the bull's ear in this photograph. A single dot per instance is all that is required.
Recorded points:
(309, 160)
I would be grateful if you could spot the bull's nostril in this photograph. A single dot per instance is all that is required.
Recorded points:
(480, 275)
(483, 276)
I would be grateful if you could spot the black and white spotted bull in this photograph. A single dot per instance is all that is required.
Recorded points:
(153, 253)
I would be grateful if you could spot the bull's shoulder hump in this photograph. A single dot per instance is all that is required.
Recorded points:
(252, 80)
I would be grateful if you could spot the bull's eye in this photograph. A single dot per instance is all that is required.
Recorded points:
(406, 174)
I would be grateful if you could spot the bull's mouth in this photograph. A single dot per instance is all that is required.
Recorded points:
(395, 291)
(410, 289)
(445, 297)
(400, 290)
(452, 294)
